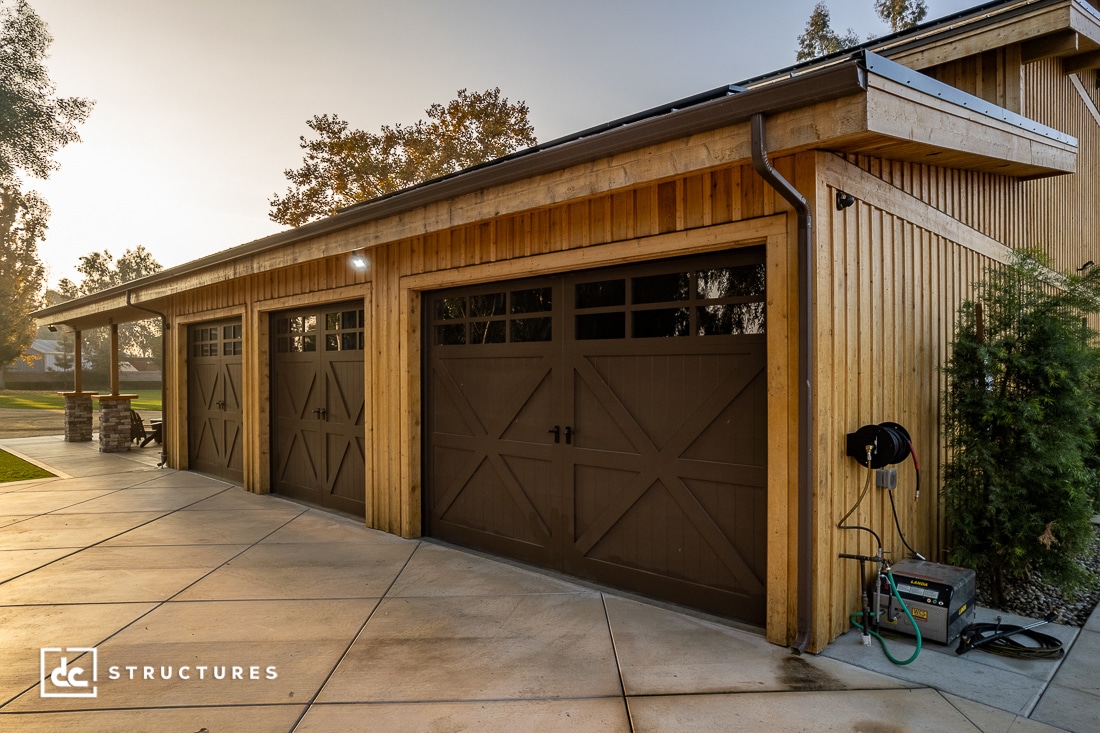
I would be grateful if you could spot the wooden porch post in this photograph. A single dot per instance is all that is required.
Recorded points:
(78, 364)
(114, 359)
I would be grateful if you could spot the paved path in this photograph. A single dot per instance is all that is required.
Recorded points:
(210, 607)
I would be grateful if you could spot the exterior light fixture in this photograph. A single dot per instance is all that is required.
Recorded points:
(1085, 266)
(844, 200)
(51, 328)
(359, 260)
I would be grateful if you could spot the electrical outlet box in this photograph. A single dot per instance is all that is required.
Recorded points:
(886, 478)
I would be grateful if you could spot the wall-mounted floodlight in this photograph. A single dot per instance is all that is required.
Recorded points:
(51, 328)
(359, 260)
(1085, 266)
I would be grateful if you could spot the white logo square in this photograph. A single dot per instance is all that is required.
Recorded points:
(62, 675)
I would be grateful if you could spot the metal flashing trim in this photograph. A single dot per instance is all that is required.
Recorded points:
(894, 71)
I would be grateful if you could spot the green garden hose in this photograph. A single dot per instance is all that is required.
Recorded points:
(885, 649)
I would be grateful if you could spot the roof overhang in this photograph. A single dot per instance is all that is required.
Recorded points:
(865, 105)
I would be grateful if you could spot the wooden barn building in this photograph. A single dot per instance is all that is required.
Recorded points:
(633, 354)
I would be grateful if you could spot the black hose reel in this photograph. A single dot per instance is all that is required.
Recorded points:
(889, 442)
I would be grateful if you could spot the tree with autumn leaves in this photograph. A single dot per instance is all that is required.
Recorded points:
(34, 124)
(344, 166)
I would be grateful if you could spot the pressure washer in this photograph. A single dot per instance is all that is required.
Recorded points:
(916, 597)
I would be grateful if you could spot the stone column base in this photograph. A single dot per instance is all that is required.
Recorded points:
(114, 423)
(78, 416)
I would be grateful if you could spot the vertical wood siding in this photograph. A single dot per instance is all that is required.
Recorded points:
(1063, 215)
(888, 293)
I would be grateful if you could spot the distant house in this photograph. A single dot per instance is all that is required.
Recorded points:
(40, 357)
(633, 354)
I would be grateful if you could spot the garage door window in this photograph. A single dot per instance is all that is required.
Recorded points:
(726, 301)
(514, 316)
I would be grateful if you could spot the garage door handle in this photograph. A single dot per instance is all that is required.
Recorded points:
(556, 430)
(569, 433)
(320, 413)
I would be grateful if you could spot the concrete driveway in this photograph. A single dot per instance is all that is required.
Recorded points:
(136, 599)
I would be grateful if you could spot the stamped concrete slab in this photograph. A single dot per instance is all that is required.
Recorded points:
(27, 629)
(311, 525)
(70, 530)
(11, 486)
(479, 648)
(219, 653)
(17, 562)
(438, 570)
(320, 570)
(1068, 709)
(234, 498)
(117, 575)
(253, 718)
(662, 652)
(992, 720)
(13, 518)
(606, 715)
(44, 502)
(144, 500)
(169, 479)
(202, 528)
(821, 712)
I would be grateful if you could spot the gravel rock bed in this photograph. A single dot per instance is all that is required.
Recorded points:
(1035, 599)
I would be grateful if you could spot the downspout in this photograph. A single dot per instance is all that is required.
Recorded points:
(164, 326)
(805, 379)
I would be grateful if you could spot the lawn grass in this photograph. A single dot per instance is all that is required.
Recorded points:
(148, 399)
(16, 469)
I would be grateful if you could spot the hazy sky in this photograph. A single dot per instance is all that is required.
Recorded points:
(200, 103)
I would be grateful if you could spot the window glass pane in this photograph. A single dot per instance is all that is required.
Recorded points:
(601, 326)
(536, 300)
(332, 342)
(659, 288)
(531, 329)
(361, 347)
(733, 319)
(349, 319)
(601, 295)
(450, 335)
(349, 341)
(195, 351)
(237, 348)
(332, 321)
(227, 333)
(487, 332)
(310, 323)
(296, 324)
(661, 323)
(282, 325)
(309, 343)
(282, 346)
(731, 282)
(236, 332)
(487, 305)
(447, 309)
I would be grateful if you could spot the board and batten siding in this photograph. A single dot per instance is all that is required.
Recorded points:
(1062, 213)
(887, 291)
(892, 271)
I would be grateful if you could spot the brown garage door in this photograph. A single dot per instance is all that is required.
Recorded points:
(317, 389)
(214, 398)
(610, 424)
